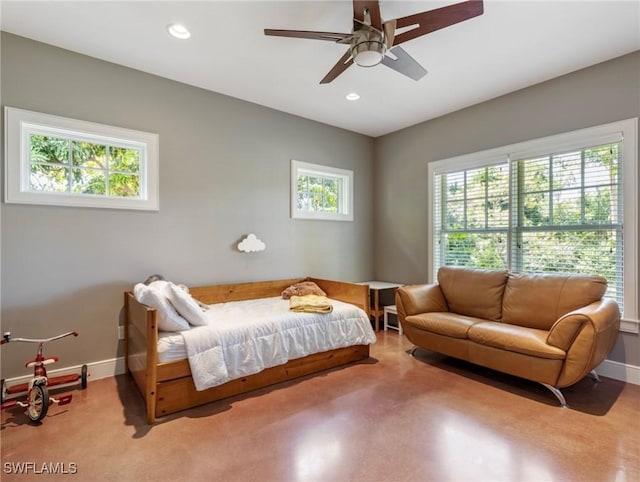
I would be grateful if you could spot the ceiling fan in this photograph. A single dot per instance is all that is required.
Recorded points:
(373, 41)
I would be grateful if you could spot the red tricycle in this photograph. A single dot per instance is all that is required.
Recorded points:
(38, 398)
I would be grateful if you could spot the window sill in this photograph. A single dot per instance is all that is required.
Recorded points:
(630, 326)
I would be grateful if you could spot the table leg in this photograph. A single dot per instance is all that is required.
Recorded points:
(376, 307)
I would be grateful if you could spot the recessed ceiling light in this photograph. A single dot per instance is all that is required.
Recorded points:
(178, 31)
(353, 96)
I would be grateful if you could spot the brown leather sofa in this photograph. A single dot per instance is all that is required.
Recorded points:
(549, 328)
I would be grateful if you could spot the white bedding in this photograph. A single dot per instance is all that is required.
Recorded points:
(245, 337)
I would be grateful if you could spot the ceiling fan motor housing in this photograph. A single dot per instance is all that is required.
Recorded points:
(368, 47)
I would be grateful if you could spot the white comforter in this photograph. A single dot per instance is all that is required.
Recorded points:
(245, 337)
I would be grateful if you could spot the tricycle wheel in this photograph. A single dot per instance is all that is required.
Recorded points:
(38, 403)
(83, 377)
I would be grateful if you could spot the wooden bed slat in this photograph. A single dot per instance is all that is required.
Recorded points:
(141, 349)
(242, 291)
(180, 394)
(347, 292)
(173, 370)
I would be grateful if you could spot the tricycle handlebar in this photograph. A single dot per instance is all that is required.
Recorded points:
(6, 338)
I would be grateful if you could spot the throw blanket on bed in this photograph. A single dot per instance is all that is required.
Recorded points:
(245, 337)
(310, 304)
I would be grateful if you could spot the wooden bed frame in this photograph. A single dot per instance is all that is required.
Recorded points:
(168, 387)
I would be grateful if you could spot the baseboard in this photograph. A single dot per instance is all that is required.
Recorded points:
(619, 371)
(96, 371)
(115, 366)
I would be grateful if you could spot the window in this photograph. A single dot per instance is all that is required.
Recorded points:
(566, 203)
(60, 161)
(321, 192)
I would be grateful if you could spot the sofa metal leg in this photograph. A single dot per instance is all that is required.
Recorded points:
(595, 376)
(557, 393)
(413, 351)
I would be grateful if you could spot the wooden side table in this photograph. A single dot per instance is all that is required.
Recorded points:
(375, 289)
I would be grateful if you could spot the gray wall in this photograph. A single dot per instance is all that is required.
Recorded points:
(597, 95)
(224, 173)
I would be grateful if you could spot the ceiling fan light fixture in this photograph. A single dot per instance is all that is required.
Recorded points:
(368, 54)
(178, 31)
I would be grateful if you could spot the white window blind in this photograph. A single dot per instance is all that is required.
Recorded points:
(567, 214)
(472, 228)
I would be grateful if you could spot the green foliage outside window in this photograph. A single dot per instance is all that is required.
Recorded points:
(78, 167)
(317, 194)
(477, 217)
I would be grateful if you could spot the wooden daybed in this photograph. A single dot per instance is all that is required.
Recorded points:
(168, 387)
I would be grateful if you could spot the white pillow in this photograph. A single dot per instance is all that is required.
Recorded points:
(160, 285)
(184, 303)
(168, 318)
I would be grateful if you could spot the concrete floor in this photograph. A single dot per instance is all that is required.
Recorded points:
(392, 418)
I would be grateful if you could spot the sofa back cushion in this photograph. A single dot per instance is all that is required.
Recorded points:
(538, 300)
(473, 292)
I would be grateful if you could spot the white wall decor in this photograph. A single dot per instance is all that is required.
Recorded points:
(251, 244)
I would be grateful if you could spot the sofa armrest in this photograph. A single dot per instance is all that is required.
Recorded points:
(588, 335)
(601, 315)
(416, 299)
(564, 331)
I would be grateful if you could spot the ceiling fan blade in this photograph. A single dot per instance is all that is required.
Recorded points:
(330, 36)
(437, 19)
(389, 32)
(373, 7)
(404, 63)
(345, 61)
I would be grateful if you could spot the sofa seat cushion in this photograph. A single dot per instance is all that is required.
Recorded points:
(443, 323)
(518, 339)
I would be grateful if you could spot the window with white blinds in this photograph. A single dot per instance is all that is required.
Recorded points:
(568, 214)
(473, 210)
(566, 203)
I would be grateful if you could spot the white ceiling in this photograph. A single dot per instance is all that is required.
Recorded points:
(514, 44)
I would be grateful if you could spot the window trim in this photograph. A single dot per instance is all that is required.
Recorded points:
(19, 123)
(627, 130)
(345, 200)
